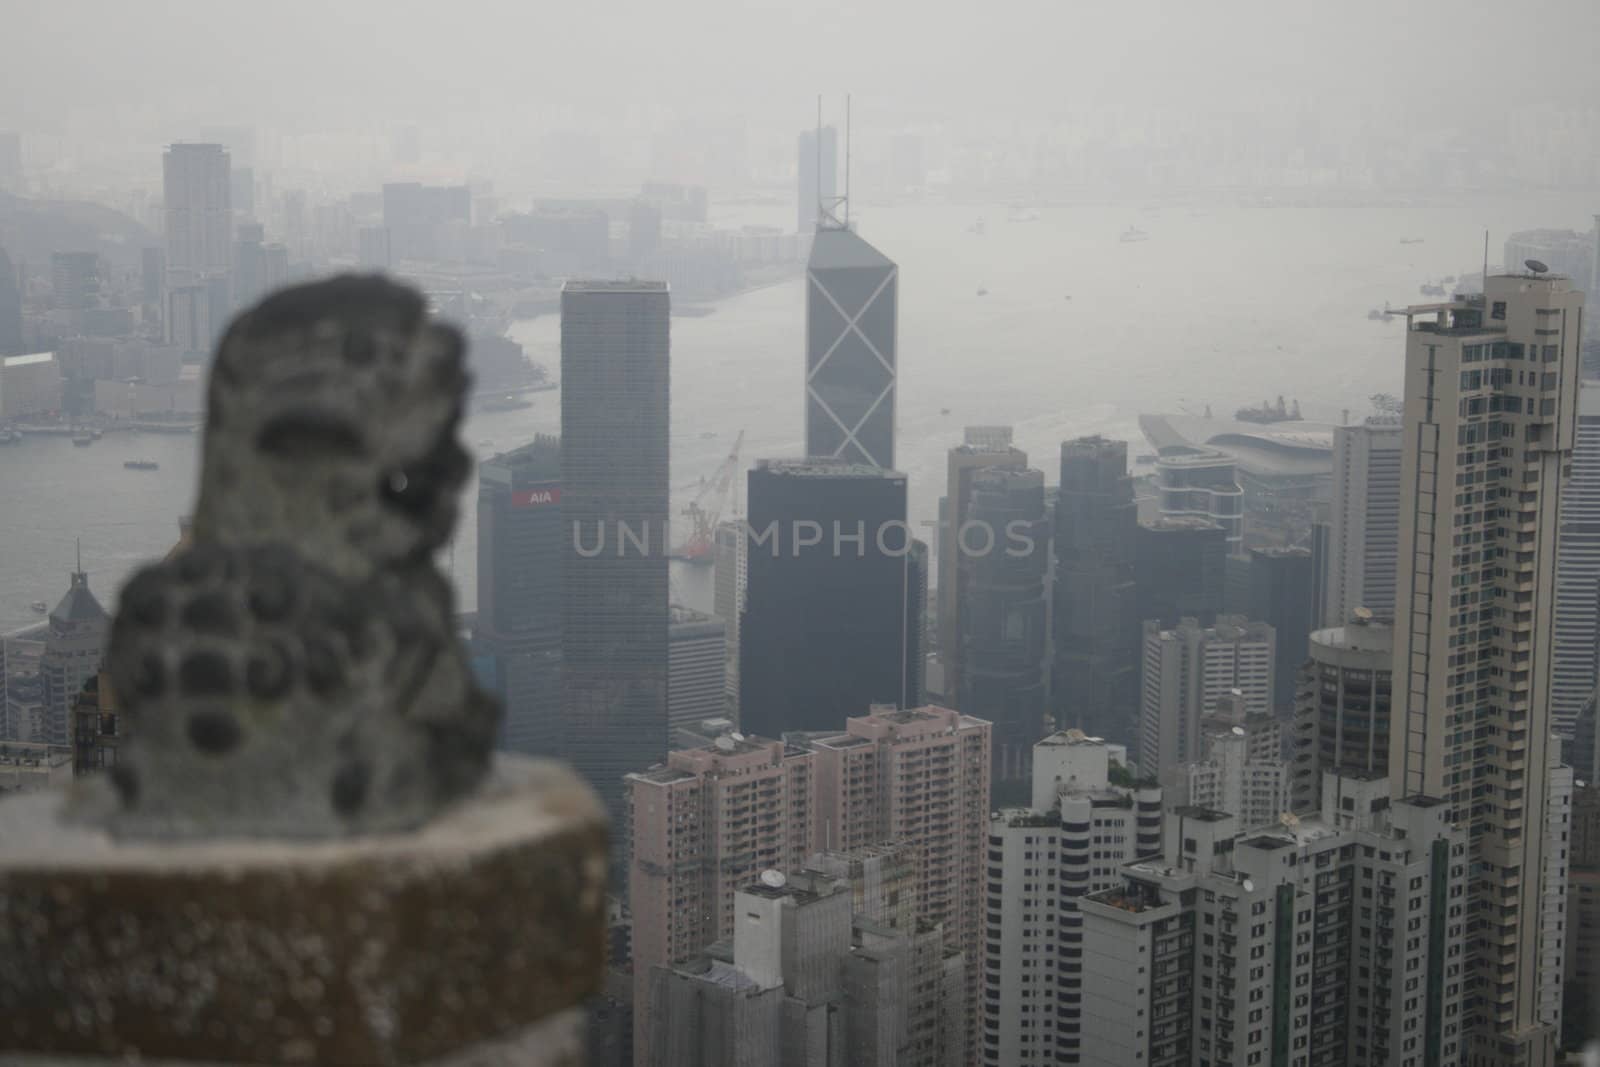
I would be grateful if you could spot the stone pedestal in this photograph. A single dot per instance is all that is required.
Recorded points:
(470, 943)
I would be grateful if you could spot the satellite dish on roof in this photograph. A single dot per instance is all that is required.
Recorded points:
(1363, 614)
(1535, 266)
(773, 879)
(1238, 731)
(724, 744)
(737, 736)
(1249, 886)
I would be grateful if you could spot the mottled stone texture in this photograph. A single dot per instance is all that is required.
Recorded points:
(295, 670)
(467, 942)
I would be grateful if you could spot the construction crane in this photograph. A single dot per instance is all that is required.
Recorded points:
(705, 510)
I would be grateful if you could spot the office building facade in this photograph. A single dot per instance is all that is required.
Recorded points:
(729, 559)
(522, 543)
(983, 447)
(696, 647)
(74, 646)
(1004, 616)
(1577, 632)
(1202, 485)
(1491, 412)
(614, 460)
(1179, 570)
(834, 596)
(1095, 671)
(1275, 585)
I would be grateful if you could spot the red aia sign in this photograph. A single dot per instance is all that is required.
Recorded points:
(531, 498)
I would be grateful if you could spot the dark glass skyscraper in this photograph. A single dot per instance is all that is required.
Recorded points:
(1004, 635)
(1095, 678)
(835, 595)
(521, 543)
(850, 349)
(1275, 586)
(614, 441)
(1178, 569)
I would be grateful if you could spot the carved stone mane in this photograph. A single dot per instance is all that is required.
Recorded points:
(295, 670)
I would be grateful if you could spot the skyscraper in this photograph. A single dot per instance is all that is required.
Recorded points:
(1095, 678)
(1004, 617)
(851, 310)
(614, 453)
(199, 214)
(1179, 569)
(1189, 668)
(817, 177)
(1202, 485)
(1364, 529)
(1577, 633)
(1274, 585)
(522, 543)
(1491, 410)
(833, 609)
(10, 308)
(983, 447)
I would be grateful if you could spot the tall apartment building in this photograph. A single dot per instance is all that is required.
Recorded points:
(1179, 569)
(1577, 633)
(834, 598)
(1336, 939)
(1094, 677)
(921, 777)
(982, 447)
(731, 579)
(705, 825)
(522, 544)
(1491, 412)
(1187, 669)
(1072, 841)
(696, 646)
(1364, 522)
(1241, 770)
(1004, 616)
(1581, 974)
(851, 325)
(1343, 707)
(1202, 485)
(614, 454)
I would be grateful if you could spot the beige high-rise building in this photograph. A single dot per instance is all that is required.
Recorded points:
(704, 826)
(708, 822)
(1186, 671)
(919, 777)
(1491, 407)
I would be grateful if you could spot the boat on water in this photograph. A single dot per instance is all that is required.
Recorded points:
(982, 291)
(977, 228)
(10, 437)
(82, 438)
(1133, 233)
(40, 606)
(1433, 290)
(504, 403)
(1022, 213)
(708, 435)
(1269, 413)
(1411, 240)
(141, 464)
(944, 411)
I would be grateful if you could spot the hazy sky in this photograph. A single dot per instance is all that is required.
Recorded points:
(338, 64)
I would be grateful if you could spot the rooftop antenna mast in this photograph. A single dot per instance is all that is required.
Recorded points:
(833, 211)
(1485, 261)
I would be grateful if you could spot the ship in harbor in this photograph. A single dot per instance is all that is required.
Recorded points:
(1268, 413)
(141, 464)
(1133, 233)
